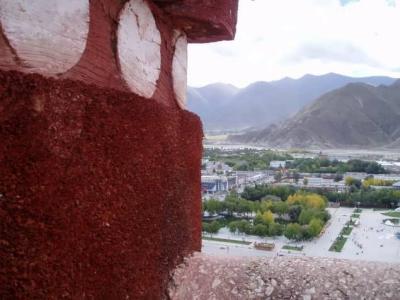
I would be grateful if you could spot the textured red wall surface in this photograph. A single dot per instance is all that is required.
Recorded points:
(203, 21)
(100, 191)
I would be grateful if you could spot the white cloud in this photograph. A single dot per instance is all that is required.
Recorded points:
(292, 38)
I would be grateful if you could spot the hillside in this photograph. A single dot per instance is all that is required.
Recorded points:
(224, 107)
(357, 115)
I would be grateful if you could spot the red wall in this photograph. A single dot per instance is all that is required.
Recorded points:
(100, 190)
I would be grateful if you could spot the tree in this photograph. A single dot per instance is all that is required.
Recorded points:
(205, 227)
(374, 168)
(315, 227)
(310, 200)
(214, 206)
(230, 206)
(294, 212)
(244, 226)
(268, 218)
(275, 229)
(293, 231)
(280, 208)
(231, 202)
(352, 182)
(233, 226)
(244, 206)
(258, 218)
(265, 206)
(338, 177)
(296, 177)
(213, 227)
(260, 230)
(278, 176)
(306, 215)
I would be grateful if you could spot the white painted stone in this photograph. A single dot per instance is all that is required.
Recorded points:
(49, 37)
(179, 68)
(139, 49)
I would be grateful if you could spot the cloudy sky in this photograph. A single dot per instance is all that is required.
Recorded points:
(279, 38)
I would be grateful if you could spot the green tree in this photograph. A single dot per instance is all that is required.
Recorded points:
(233, 226)
(338, 177)
(214, 206)
(293, 231)
(275, 229)
(294, 212)
(268, 218)
(306, 215)
(260, 230)
(213, 227)
(315, 227)
(310, 200)
(352, 182)
(244, 226)
(205, 227)
(296, 177)
(280, 207)
(244, 206)
(258, 218)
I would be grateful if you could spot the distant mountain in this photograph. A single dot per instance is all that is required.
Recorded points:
(224, 107)
(208, 101)
(357, 115)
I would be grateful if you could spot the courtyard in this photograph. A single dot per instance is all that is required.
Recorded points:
(370, 240)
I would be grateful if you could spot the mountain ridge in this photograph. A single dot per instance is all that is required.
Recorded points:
(356, 115)
(224, 106)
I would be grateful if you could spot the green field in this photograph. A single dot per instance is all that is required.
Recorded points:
(393, 214)
(294, 248)
(346, 230)
(338, 244)
(226, 240)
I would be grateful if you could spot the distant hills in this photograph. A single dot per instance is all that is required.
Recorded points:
(225, 107)
(356, 115)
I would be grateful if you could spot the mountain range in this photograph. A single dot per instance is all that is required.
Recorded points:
(356, 115)
(225, 107)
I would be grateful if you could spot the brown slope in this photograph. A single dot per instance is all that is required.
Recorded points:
(357, 115)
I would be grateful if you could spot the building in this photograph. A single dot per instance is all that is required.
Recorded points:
(217, 183)
(213, 184)
(396, 185)
(322, 183)
(393, 177)
(216, 167)
(276, 164)
(356, 175)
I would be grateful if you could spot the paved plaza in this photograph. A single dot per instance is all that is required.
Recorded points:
(371, 240)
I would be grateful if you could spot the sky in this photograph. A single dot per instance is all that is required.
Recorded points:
(291, 38)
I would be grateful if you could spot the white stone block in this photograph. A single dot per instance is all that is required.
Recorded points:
(48, 37)
(139, 50)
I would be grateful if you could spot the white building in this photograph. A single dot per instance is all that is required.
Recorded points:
(318, 182)
(276, 164)
(217, 167)
(394, 177)
(356, 175)
(216, 183)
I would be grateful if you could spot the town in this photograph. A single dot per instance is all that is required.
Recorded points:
(300, 203)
